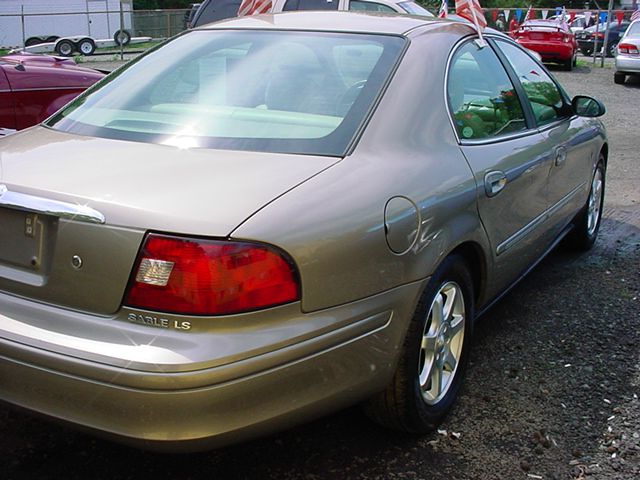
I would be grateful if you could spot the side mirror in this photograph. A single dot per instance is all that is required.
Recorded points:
(585, 106)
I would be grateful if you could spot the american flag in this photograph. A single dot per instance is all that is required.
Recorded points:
(444, 9)
(636, 14)
(254, 7)
(472, 11)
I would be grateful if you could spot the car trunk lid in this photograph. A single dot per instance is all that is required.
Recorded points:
(74, 210)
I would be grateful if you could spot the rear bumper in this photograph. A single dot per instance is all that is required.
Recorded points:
(550, 51)
(627, 64)
(208, 407)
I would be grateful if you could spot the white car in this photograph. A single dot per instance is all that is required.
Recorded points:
(628, 57)
(214, 10)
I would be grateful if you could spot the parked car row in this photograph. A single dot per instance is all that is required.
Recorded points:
(589, 38)
(273, 217)
(215, 10)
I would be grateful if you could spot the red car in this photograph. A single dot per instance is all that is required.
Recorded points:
(553, 40)
(33, 87)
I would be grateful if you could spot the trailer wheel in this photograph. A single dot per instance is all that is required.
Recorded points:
(122, 37)
(52, 38)
(86, 46)
(30, 42)
(65, 48)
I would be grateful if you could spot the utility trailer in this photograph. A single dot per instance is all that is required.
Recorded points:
(67, 46)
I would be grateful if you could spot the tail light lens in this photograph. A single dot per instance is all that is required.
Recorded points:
(210, 277)
(599, 35)
(628, 48)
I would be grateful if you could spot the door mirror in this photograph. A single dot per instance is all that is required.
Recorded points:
(585, 106)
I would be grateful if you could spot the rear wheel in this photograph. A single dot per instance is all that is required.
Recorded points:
(586, 51)
(434, 354)
(619, 78)
(587, 223)
(612, 49)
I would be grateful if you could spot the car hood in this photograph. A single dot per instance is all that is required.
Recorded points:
(145, 186)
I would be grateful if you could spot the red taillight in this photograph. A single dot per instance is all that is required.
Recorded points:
(628, 48)
(209, 277)
(598, 35)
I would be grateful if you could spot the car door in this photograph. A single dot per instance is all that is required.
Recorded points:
(506, 154)
(570, 141)
(7, 108)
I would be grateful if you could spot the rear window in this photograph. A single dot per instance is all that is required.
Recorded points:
(273, 91)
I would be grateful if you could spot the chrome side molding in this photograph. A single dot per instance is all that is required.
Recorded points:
(45, 206)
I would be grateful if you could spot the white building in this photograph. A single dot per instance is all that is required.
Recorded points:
(22, 19)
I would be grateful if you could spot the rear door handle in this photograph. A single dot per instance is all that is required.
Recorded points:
(494, 182)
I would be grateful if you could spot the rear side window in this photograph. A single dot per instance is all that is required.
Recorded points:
(215, 10)
(357, 5)
(482, 99)
(310, 5)
(273, 91)
(543, 94)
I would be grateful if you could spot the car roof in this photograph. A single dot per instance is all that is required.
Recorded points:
(334, 21)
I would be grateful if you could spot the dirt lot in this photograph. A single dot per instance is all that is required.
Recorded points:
(552, 391)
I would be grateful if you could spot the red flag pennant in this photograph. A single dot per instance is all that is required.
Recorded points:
(494, 15)
(572, 16)
(619, 17)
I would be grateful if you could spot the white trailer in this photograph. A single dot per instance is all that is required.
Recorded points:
(21, 20)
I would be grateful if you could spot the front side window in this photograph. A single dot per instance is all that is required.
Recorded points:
(483, 101)
(543, 94)
(290, 92)
(358, 5)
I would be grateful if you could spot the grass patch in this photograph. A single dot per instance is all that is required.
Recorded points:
(137, 46)
(3, 51)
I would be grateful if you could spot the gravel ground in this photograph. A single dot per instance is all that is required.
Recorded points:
(551, 392)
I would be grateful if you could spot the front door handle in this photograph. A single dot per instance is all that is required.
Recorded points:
(494, 182)
(561, 155)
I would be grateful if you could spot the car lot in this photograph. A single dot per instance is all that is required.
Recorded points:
(552, 364)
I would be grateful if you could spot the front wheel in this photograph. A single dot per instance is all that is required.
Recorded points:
(434, 354)
(587, 223)
(65, 48)
(86, 46)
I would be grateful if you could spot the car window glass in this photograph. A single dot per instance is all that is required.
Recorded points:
(310, 5)
(543, 94)
(482, 98)
(215, 10)
(358, 5)
(288, 92)
(634, 30)
(415, 9)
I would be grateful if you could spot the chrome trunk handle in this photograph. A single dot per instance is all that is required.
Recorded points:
(46, 206)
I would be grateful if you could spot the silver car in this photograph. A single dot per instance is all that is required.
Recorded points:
(628, 57)
(273, 217)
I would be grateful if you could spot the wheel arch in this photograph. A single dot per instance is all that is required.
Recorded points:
(475, 260)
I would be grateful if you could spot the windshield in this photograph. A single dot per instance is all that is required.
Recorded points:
(415, 9)
(272, 91)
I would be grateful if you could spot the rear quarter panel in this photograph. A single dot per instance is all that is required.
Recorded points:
(333, 225)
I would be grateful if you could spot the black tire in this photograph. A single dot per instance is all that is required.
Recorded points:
(587, 222)
(568, 64)
(32, 41)
(611, 49)
(122, 37)
(586, 51)
(65, 48)
(619, 78)
(52, 39)
(86, 46)
(408, 404)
